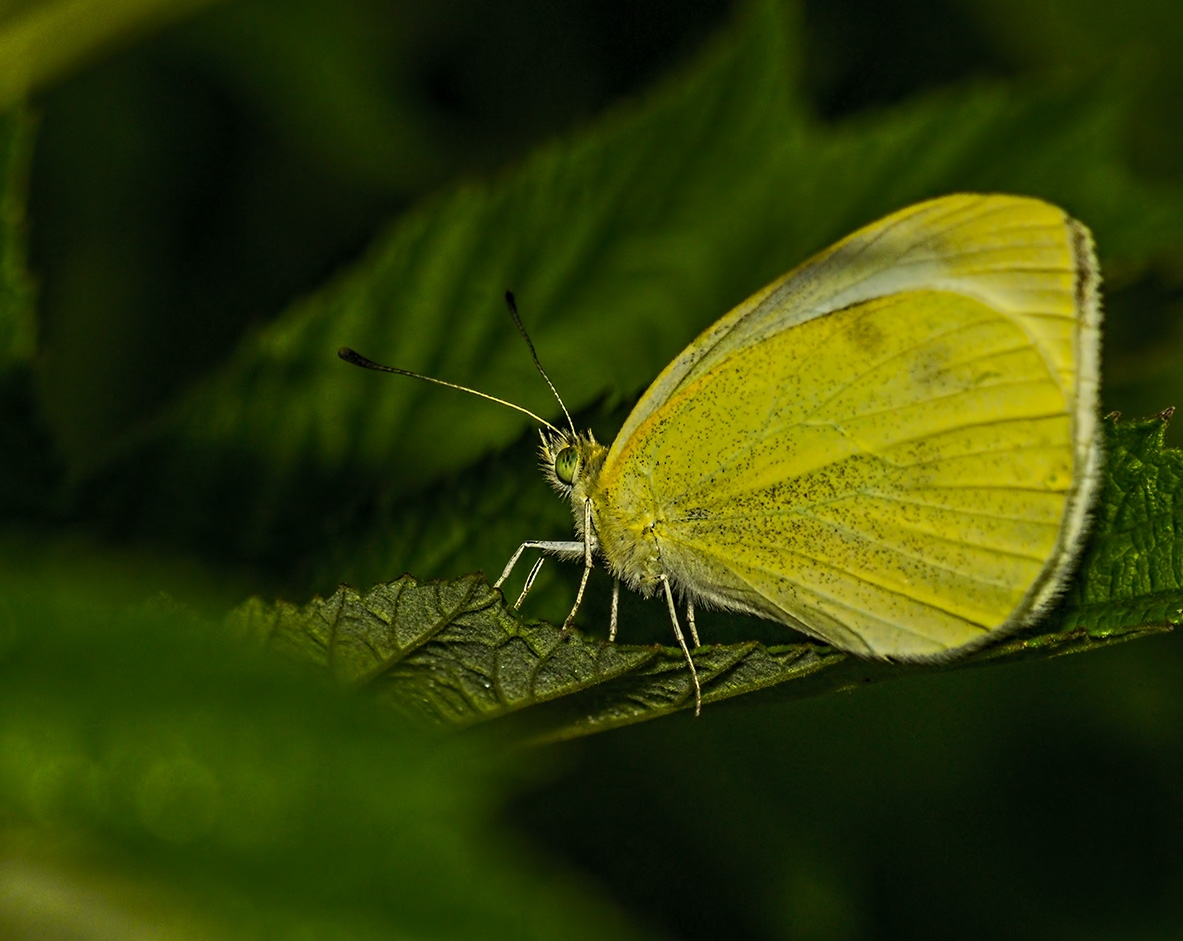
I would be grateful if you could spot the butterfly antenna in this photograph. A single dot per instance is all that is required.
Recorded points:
(350, 356)
(513, 312)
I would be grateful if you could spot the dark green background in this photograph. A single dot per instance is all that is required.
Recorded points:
(189, 186)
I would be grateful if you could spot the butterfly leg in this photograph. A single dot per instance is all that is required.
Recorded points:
(587, 563)
(615, 606)
(669, 598)
(529, 582)
(690, 622)
(578, 597)
(564, 550)
(513, 560)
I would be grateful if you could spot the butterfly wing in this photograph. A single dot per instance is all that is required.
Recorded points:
(892, 447)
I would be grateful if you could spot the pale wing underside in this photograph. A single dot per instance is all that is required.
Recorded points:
(903, 476)
(1021, 256)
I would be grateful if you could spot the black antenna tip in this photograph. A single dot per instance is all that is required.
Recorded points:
(510, 301)
(352, 356)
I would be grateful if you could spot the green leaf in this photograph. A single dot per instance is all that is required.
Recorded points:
(1132, 572)
(453, 653)
(621, 243)
(158, 779)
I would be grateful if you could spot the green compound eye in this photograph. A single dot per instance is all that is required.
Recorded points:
(566, 463)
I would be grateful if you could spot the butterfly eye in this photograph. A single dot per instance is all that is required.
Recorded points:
(566, 463)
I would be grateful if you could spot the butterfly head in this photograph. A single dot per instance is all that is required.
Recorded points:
(571, 462)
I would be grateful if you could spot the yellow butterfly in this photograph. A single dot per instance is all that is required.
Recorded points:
(892, 448)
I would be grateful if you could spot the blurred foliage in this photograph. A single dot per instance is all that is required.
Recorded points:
(41, 42)
(159, 781)
(213, 208)
(18, 330)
